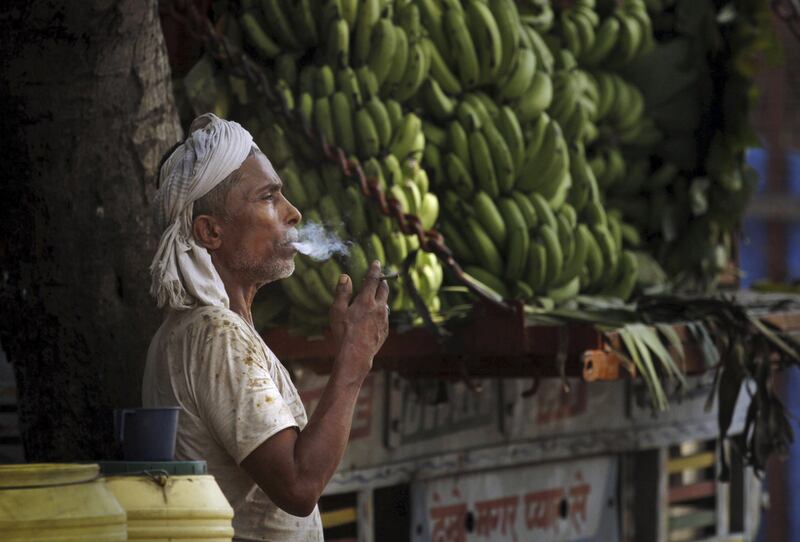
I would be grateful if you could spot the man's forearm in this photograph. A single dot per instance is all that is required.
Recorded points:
(321, 445)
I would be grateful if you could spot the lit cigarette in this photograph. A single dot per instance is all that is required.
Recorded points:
(393, 275)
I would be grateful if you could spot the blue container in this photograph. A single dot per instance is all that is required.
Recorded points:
(147, 434)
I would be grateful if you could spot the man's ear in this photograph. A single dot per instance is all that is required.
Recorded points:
(207, 232)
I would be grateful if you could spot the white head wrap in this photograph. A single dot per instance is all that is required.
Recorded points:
(182, 272)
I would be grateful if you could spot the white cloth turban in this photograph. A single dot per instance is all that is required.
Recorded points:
(182, 273)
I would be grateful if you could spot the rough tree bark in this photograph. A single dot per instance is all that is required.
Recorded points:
(87, 113)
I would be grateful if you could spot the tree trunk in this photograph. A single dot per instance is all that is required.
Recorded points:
(87, 113)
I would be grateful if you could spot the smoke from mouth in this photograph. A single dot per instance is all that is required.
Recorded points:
(318, 243)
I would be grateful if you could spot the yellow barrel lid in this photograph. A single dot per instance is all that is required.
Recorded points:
(46, 474)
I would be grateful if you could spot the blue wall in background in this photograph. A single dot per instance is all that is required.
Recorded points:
(753, 260)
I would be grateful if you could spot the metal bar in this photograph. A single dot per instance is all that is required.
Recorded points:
(691, 462)
(335, 518)
(692, 492)
(693, 520)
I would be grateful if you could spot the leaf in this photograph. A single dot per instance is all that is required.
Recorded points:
(641, 359)
(647, 361)
(672, 336)
(650, 337)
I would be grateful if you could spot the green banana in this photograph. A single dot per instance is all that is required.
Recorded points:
(456, 242)
(536, 266)
(357, 265)
(508, 124)
(380, 118)
(536, 99)
(405, 136)
(399, 61)
(488, 42)
(369, 12)
(305, 108)
(384, 44)
(574, 264)
(626, 279)
(414, 74)
(396, 115)
(368, 142)
(373, 248)
(312, 183)
(293, 186)
(458, 175)
(323, 120)
(438, 104)
(464, 53)
(482, 246)
(434, 134)
(555, 255)
(392, 170)
(520, 78)
(543, 211)
(278, 23)
(350, 11)
(490, 218)
(543, 52)
(434, 162)
(343, 122)
(518, 238)
(488, 278)
(482, 166)
(298, 294)
(356, 216)
(605, 39)
(440, 71)
(501, 157)
(526, 208)
(324, 82)
(564, 292)
(304, 23)
(368, 82)
(396, 248)
(316, 287)
(509, 26)
(330, 271)
(261, 42)
(429, 210)
(458, 141)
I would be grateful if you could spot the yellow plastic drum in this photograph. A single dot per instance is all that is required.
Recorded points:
(171, 508)
(58, 502)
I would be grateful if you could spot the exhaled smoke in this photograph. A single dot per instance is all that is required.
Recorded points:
(318, 243)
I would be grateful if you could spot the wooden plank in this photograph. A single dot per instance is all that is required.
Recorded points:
(693, 520)
(694, 462)
(366, 519)
(692, 492)
(335, 518)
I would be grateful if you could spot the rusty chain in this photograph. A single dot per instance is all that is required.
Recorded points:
(239, 63)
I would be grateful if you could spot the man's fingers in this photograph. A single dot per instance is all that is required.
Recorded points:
(372, 280)
(382, 293)
(341, 299)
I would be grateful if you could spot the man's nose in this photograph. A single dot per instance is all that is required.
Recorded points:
(294, 215)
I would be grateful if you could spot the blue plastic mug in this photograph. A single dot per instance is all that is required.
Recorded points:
(146, 434)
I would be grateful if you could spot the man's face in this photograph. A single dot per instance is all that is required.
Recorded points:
(260, 225)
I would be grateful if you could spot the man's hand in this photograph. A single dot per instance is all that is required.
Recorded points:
(360, 327)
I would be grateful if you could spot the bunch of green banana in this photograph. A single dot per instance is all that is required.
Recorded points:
(634, 35)
(537, 14)
(577, 25)
(621, 108)
(574, 104)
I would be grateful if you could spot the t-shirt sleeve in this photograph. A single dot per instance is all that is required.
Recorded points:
(234, 391)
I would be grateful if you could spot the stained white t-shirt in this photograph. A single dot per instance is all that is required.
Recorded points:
(234, 394)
